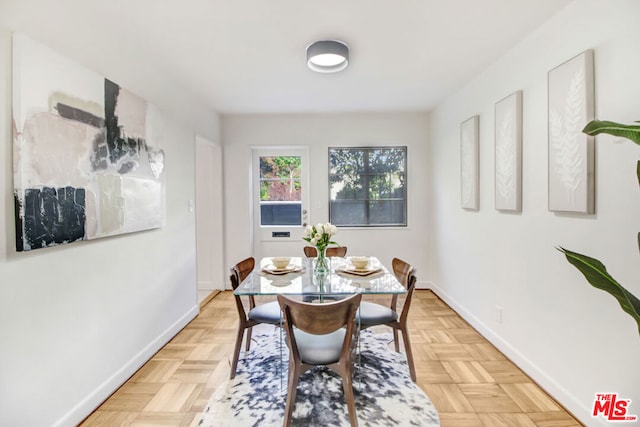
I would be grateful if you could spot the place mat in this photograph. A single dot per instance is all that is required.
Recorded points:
(358, 272)
(272, 269)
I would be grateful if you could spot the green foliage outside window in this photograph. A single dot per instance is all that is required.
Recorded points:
(367, 186)
(280, 178)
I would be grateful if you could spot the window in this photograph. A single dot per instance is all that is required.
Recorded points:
(368, 186)
(280, 190)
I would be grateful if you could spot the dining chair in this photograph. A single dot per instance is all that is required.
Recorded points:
(312, 252)
(373, 314)
(264, 313)
(321, 334)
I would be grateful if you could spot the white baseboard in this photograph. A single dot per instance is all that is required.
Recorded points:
(87, 405)
(552, 387)
(423, 284)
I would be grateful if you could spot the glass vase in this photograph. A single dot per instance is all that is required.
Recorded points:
(322, 263)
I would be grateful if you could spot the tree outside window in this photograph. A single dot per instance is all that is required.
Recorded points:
(280, 190)
(367, 186)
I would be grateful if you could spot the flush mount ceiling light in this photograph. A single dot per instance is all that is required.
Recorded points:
(327, 56)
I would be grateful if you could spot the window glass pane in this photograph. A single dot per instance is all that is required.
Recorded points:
(367, 186)
(386, 186)
(280, 184)
(280, 191)
(280, 214)
(386, 212)
(345, 174)
(280, 167)
(349, 212)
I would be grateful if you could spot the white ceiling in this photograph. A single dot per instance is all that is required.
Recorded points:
(248, 56)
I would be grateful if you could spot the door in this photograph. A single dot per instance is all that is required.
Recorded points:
(280, 200)
(209, 225)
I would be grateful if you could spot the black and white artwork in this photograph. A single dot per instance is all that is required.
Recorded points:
(87, 156)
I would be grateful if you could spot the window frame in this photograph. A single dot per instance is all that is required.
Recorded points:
(405, 199)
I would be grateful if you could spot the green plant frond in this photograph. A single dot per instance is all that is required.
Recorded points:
(596, 274)
(638, 171)
(631, 132)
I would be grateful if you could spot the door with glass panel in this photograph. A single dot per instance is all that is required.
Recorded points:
(280, 194)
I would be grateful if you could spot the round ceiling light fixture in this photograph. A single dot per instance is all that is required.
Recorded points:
(327, 56)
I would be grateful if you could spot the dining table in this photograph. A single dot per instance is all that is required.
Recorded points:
(299, 278)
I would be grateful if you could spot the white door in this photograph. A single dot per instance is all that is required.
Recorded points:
(280, 200)
(209, 224)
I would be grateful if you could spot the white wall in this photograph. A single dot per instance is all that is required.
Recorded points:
(77, 320)
(571, 338)
(320, 131)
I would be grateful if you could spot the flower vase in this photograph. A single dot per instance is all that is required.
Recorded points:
(322, 263)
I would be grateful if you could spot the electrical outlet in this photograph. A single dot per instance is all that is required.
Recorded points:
(498, 314)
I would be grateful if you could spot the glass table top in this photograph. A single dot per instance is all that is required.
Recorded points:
(304, 282)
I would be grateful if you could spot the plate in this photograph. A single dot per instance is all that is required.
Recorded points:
(280, 284)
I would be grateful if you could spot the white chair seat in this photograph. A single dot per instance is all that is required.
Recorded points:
(266, 313)
(319, 349)
(371, 314)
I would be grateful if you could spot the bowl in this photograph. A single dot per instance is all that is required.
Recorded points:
(281, 262)
(360, 262)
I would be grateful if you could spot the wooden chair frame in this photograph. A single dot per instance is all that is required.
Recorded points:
(405, 274)
(321, 319)
(312, 252)
(238, 273)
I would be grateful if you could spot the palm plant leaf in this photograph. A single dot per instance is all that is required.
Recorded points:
(596, 274)
(631, 132)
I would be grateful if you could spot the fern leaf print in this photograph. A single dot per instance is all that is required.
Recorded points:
(469, 163)
(466, 165)
(564, 129)
(505, 168)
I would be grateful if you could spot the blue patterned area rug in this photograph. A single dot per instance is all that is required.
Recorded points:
(384, 392)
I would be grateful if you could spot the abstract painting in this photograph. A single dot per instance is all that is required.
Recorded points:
(469, 164)
(571, 152)
(87, 156)
(508, 153)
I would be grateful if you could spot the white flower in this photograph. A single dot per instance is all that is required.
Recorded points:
(308, 231)
(319, 234)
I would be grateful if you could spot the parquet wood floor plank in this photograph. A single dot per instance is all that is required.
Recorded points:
(489, 398)
(469, 381)
(505, 420)
(459, 419)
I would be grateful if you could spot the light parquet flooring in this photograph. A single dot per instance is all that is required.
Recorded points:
(470, 382)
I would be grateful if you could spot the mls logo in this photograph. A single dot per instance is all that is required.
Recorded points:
(612, 408)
